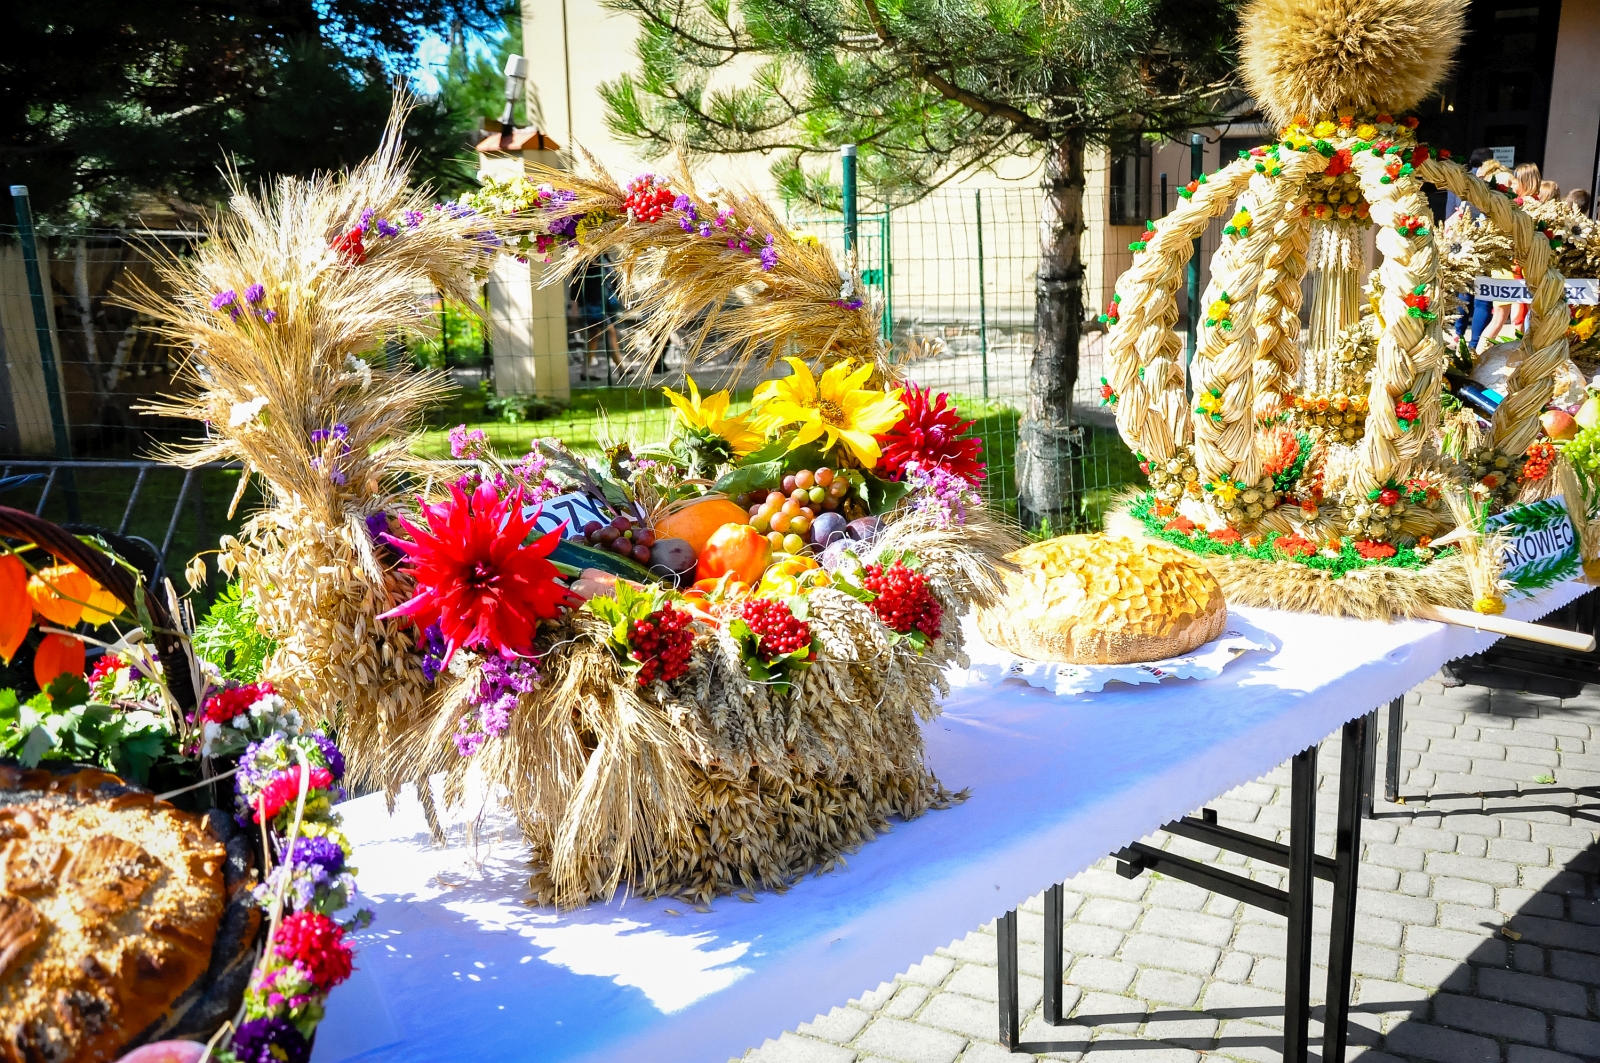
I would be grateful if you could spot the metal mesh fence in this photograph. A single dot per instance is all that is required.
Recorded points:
(955, 274)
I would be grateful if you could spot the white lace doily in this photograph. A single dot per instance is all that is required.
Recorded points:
(992, 666)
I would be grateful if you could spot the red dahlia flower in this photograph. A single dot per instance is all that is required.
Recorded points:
(930, 433)
(475, 577)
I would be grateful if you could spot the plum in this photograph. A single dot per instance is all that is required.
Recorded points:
(827, 528)
(863, 529)
(673, 559)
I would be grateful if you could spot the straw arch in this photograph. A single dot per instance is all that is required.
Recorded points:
(1516, 422)
(1144, 352)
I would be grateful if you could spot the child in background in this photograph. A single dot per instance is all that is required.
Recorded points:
(1580, 200)
(1549, 190)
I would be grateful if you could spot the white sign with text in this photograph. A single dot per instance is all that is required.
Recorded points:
(1581, 291)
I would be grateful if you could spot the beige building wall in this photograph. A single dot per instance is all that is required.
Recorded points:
(1569, 154)
(527, 322)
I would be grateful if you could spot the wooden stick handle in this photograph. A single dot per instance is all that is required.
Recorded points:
(1501, 625)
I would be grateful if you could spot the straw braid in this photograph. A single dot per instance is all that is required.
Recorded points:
(1411, 351)
(1224, 363)
(1152, 415)
(1516, 422)
(1277, 309)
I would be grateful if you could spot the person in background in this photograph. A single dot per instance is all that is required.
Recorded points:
(1486, 312)
(1474, 311)
(1529, 184)
(1526, 179)
(1579, 200)
(1549, 190)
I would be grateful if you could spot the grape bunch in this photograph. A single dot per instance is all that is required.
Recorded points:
(624, 536)
(803, 513)
(1583, 451)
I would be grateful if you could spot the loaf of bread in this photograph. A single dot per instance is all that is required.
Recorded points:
(1093, 599)
(109, 909)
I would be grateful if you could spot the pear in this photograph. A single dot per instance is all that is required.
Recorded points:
(1588, 415)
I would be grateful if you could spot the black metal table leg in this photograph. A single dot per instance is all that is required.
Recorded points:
(1391, 776)
(1006, 945)
(1369, 764)
(1053, 927)
(1302, 847)
(1347, 861)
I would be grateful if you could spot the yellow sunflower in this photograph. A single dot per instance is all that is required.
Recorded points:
(837, 407)
(709, 417)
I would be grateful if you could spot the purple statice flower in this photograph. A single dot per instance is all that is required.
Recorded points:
(566, 228)
(432, 647)
(684, 205)
(387, 228)
(339, 433)
(269, 315)
(848, 304)
(705, 228)
(331, 753)
(255, 293)
(502, 681)
(940, 494)
(749, 230)
(412, 218)
(468, 744)
(377, 525)
(224, 299)
(467, 443)
(257, 764)
(235, 312)
(366, 219)
(321, 853)
(769, 256)
(271, 1040)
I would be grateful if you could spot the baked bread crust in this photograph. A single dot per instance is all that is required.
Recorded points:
(1094, 599)
(110, 906)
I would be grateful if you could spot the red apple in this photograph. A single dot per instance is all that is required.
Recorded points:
(1558, 424)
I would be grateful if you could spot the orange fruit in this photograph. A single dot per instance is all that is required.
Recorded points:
(697, 522)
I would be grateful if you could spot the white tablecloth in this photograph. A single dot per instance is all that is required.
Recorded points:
(457, 967)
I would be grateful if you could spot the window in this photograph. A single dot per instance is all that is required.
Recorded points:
(1130, 186)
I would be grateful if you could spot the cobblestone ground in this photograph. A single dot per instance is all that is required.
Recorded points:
(1478, 925)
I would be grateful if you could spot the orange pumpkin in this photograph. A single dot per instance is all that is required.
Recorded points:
(736, 548)
(56, 654)
(59, 592)
(697, 522)
(16, 608)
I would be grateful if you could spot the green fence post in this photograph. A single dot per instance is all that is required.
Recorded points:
(847, 168)
(1197, 167)
(41, 319)
(886, 265)
(983, 309)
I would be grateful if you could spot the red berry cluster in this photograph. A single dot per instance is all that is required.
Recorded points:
(647, 201)
(903, 600)
(1540, 457)
(661, 643)
(777, 630)
(224, 705)
(316, 944)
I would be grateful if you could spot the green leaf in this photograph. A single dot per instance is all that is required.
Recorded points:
(67, 689)
(39, 742)
(747, 478)
(136, 754)
(881, 495)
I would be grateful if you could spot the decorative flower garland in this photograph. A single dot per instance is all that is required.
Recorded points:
(288, 784)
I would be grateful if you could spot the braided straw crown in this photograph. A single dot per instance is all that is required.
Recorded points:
(1313, 57)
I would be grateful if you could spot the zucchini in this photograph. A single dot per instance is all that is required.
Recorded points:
(581, 556)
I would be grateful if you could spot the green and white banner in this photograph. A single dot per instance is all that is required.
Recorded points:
(1542, 546)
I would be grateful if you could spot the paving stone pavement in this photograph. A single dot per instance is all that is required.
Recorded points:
(1477, 932)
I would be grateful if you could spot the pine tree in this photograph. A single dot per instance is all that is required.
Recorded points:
(929, 90)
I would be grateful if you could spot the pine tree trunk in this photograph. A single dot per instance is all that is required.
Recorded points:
(1047, 446)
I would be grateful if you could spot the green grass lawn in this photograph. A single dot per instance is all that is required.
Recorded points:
(628, 413)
